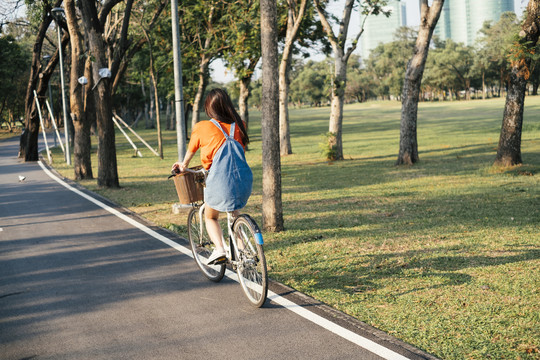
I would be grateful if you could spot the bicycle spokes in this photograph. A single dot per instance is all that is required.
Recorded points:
(251, 267)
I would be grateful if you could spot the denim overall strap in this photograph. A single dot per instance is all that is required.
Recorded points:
(223, 131)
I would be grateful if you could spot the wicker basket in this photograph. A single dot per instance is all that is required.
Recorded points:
(189, 186)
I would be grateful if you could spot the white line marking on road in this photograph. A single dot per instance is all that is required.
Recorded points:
(297, 309)
(127, 219)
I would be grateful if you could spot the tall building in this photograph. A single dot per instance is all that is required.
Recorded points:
(381, 29)
(462, 19)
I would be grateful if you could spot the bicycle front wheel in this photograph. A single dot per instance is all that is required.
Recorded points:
(251, 268)
(202, 246)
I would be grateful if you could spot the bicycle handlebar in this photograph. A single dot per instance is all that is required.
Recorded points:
(200, 171)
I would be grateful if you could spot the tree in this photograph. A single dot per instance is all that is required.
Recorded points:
(311, 84)
(534, 79)
(244, 54)
(154, 77)
(13, 69)
(298, 30)
(82, 165)
(204, 27)
(388, 62)
(102, 89)
(408, 145)
(110, 48)
(496, 41)
(271, 164)
(458, 60)
(39, 77)
(123, 46)
(130, 74)
(482, 65)
(163, 46)
(341, 57)
(509, 148)
(295, 15)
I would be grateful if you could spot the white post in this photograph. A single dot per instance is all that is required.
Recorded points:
(54, 125)
(137, 135)
(64, 104)
(127, 137)
(42, 127)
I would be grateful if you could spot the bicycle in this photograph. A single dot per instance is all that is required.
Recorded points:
(244, 251)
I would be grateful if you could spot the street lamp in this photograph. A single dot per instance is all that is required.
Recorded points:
(57, 15)
(178, 91)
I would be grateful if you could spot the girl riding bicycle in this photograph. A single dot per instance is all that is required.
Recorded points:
(210, 137)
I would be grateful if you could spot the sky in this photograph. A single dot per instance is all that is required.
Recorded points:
(221, 74)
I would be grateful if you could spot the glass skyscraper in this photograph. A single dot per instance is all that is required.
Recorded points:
(462, 19)
(381, 29)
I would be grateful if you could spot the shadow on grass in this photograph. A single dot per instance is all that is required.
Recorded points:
(380, 169)
(356, 206)
(371, 272)
(512, 206)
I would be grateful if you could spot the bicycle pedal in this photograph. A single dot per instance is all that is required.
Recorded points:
(218, 261)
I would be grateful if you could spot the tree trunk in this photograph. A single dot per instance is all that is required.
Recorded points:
(483, 85)
(151, 106)
(158, 118)
(509, 149)
(335, 142)
(284, 130)
(169, 114)
(341, 57)
(243, 99)
(501, 81)
(203, 82)
(107, 166)
(82, 145)
(154, 78)
(293, 24)
(271, 163)
(187, 110)
(245, 74)
(408, 144)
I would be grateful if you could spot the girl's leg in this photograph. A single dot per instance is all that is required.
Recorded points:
(212, 226)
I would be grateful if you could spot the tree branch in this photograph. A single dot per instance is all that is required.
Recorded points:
(344, 24)
(326, 26)
(297, 20)
(121, 49)
(355, 42)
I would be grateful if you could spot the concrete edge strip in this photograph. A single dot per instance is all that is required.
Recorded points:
(292, 306)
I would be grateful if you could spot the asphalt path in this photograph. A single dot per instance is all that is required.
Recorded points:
(81, 278)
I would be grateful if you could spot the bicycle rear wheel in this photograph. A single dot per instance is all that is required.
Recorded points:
(202, 246)
(251, 268)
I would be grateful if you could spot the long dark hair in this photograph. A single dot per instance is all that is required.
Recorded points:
(218, 105)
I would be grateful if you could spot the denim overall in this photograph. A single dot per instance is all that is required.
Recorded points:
(229, 181)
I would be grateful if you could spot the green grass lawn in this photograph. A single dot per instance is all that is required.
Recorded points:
(444, 254)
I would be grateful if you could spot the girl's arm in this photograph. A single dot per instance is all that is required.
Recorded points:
(180, 167)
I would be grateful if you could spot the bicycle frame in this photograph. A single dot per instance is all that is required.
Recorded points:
(228, 245)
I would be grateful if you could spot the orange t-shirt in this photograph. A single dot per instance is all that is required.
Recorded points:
(208, 138)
